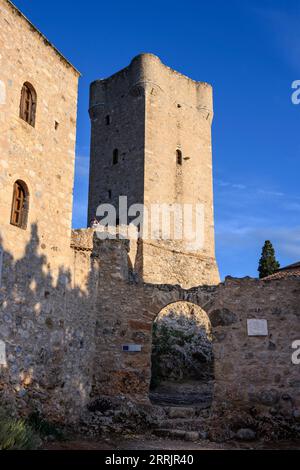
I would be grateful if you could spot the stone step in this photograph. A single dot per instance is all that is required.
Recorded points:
(182, 434)
(188, 424)
(182, 400)
(180, 412)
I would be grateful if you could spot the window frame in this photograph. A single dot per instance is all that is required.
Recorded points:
(19, 215)
(28, 104)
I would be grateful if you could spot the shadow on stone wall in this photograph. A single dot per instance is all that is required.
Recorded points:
(46, 332)
(64, 330)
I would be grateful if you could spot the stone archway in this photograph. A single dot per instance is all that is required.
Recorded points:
(182, 362)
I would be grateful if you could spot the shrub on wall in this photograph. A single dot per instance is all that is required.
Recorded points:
(15, 434)
(182, 345)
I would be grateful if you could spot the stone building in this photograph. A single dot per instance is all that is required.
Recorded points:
(38, 132)
(151, 142)
(75, 324)
(38, 111)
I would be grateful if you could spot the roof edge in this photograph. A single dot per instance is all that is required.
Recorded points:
(155, 57)
(49, 43)
(290, 266)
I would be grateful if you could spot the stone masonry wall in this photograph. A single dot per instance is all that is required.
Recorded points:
(64, 338)
(175, 266)
(69, 305)
(247, 369)
(47, 326)
(41, 156)
(148, 112)
(179, 114)
(257, 371)
(44, 285)
(113, 99)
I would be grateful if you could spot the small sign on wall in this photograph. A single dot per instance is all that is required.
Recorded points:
(2, 354)
(132, 348)
(257, 327)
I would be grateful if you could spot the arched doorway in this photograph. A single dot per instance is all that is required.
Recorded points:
(182, 370)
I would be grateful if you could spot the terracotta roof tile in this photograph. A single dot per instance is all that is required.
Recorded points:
(289, 271)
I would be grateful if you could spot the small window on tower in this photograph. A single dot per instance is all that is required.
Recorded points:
(20, 205)
(28, 104)
(178, 157)
(107, 120)
(115, 156)
(109, 194)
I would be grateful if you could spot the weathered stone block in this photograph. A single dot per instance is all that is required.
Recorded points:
(222, 317)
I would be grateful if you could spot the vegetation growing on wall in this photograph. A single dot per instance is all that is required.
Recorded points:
(16, 434)
(182, 345)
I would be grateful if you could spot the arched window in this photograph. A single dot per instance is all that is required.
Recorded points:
(20, 205)
(178, 157)
(28, 104)
(115, 156)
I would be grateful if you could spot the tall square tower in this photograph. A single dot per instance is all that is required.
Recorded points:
(151, 142)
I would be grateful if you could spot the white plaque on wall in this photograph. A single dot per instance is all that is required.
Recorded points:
(257, 327)
(2, 354)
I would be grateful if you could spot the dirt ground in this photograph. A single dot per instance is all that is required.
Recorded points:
(154, 443)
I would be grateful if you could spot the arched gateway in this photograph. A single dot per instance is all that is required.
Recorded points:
(182, 362)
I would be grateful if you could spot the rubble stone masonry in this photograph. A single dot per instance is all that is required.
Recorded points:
(148, 112)
(70, 302)
(37, 261)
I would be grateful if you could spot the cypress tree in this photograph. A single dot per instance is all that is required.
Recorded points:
(267, 263)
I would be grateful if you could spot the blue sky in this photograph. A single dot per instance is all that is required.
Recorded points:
(250, 52)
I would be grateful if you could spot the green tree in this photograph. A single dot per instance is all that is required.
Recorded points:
(267, 263)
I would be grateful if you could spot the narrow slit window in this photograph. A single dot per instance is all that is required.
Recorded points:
(115, 156)
(178, 157)
(107, 120)
(20, 205)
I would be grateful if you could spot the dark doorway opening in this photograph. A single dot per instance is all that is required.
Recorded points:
(182, 371)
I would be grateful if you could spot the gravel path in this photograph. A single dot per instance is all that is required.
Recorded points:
(151, 443)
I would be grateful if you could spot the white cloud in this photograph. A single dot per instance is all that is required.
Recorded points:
(82, 166)
(227, 184)
(292, 206)
(270, 193)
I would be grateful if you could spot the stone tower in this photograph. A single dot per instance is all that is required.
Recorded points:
(151, 142)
